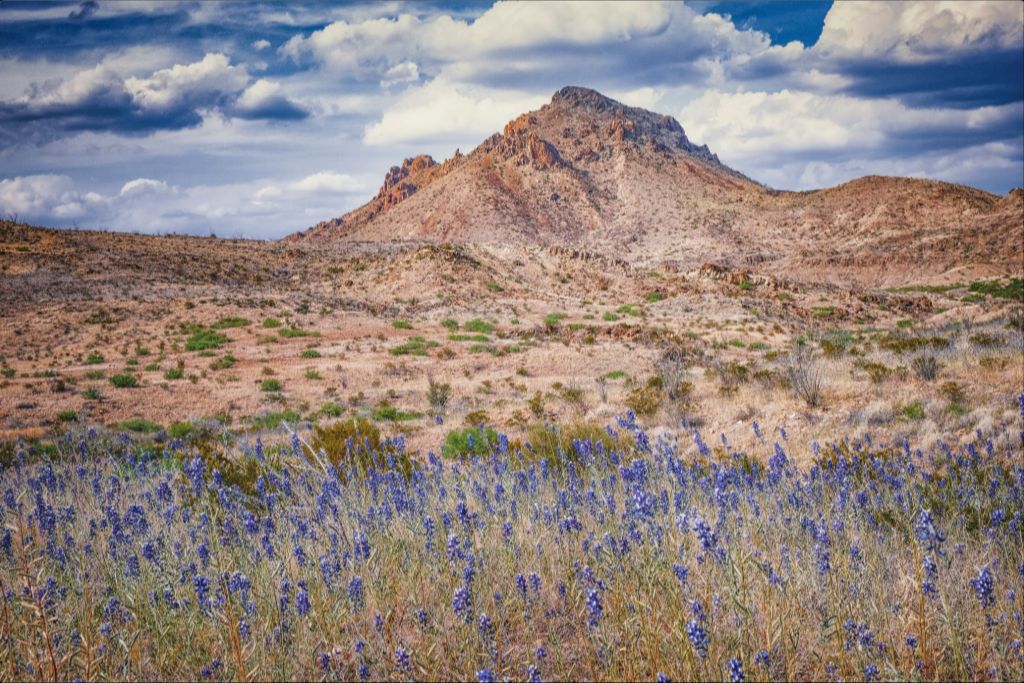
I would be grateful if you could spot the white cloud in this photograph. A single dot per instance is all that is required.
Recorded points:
(917, 32)
(143, 185)
(401, 73)
(441, 110)
(210, 76)
(324, 182)
(261, 44)
(789, 138)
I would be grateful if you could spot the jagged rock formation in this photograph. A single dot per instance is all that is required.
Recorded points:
(590, 173)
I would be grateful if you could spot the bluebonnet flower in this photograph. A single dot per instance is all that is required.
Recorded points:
(355, 591)
(912, 642)
(762, 659)
(302, 599)
(871, 672)
(698, 637)
(485, 625)
(541, 653)
(681, 573)
(421, 616)
(662, 678)
(461, 603)
(735, 667)
(983, 588)
(485, 676)
(202, 586)
(594, 606)
(533, 674)
(402, 660)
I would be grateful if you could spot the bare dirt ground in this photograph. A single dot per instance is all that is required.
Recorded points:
(255, 334)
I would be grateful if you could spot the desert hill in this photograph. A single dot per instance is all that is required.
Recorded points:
(587, 172)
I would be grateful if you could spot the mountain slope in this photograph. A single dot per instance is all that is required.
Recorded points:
(585, 171)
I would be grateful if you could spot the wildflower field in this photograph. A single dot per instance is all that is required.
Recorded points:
(623, 556)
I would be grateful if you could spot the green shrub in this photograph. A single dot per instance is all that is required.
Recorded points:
(313, 374)
(401, 325)
(556, 444)
(385, 412)
(310, 353)
(1014, 289)
(616, 374)
(91, 394)
(655, 297)
(141, 351)
(494, 286)
(271, 323)
(476, 441)
(203, 340)
(223, 363)
(416, 346)
(331, 410)
(94, 358)
(137, 424)
(629, 309)
(179, 430)
(271, 421)
(67, 416)
(480, 326)
(610, 317)
(295, 332)
(913, 411)
(450, 323)
(227, 323)
(480, 338)
(270, 385)
(174, 373)
(553, 319)
(124, 380)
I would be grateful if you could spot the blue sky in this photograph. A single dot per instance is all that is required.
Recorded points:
(262, 119)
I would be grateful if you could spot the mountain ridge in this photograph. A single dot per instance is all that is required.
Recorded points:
(587, 171)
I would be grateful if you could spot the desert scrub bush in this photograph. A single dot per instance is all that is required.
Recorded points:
(913, 410)
(1011, 289)
(630, 309)
(230, 322)
(353, 447)
(139, 425)
(385, 412)
(469, 441)
(644, 401)
(655, 297)
(271, 323)
(296, 333)
(450, 323)
(205, 340)
(616, 374)
(401, 324)
(91, 394)
(478, 338)
(67, 416)
(438, 394)
(270, 385)
(672, 371)
(312, 374)
(175, 373)
(876, 372)
(270, 421)
(124, 380)
(835, 343)
(223, 363)
(806, 377)
(310, 353)
(926, 367)
(416, 346)
(608, 316)
(94, 358)
(479, 326)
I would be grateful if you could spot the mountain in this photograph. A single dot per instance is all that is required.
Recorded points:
(587, 172)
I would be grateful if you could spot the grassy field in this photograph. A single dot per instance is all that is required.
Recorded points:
(607, 557)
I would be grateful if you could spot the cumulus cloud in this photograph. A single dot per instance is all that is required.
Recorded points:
(263, 100)
(154, 206)
(261, 44)
(769, 135)
(918, 32)
(444, 111)
(113, 95)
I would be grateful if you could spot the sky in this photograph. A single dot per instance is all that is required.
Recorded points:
(257, 120)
